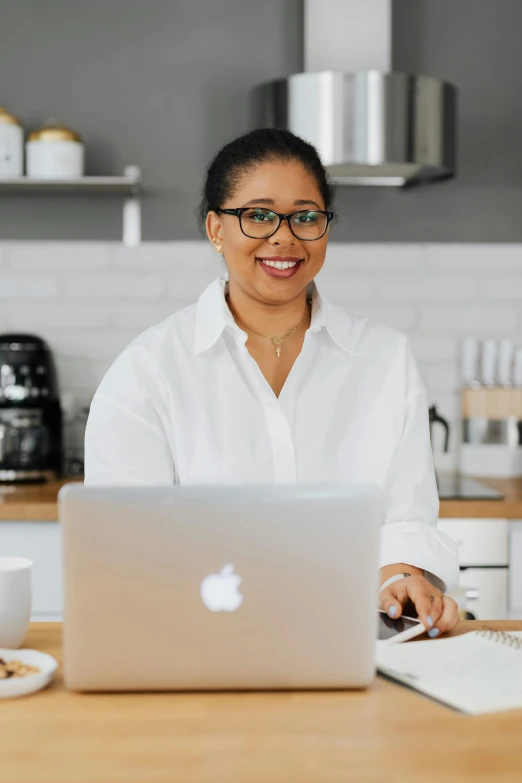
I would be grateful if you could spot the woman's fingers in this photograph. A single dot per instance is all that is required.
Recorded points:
(426, 598)
(450, 615)
(437, 611)
(389, 603)
(428, 602)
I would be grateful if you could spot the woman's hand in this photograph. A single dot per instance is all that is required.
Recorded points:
(437, 611)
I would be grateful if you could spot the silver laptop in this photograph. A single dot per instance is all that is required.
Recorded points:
(220, 587)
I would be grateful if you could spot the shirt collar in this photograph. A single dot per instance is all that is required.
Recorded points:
(213, 315)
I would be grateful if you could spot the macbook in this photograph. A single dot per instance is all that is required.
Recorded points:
(220, 587)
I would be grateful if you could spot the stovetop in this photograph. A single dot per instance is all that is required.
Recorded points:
(453, 486)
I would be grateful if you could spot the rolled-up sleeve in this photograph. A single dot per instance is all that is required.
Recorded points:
(410, 533)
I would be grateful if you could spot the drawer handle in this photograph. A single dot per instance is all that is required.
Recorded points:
(472, 594)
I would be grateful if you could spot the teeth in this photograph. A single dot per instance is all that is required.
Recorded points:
(279, 264)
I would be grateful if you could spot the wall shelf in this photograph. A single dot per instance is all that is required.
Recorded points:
(127, 186)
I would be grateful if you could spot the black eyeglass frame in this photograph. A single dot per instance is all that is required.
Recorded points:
(238, 212)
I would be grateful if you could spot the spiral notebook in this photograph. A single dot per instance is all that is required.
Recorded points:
(476, 673)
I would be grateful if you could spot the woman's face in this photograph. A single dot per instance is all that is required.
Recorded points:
(284, 187)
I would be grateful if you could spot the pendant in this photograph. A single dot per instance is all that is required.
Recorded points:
(278, 351)
(276, 340)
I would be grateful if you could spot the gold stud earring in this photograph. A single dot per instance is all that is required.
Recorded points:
(219, 248)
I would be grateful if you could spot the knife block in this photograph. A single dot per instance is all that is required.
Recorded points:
(491, 432)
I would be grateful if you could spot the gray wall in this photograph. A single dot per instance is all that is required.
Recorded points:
(164, 83)
(476, 45)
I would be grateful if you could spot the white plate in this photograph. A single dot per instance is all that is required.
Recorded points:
(20, 686)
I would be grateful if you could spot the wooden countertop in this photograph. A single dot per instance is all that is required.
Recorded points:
(31, 501)
(38, 501)
(387, 734)
(508, 508)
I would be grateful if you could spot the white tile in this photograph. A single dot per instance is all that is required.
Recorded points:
(397, 316)
(504, 287)
(343, 288)
(445, 463)
(373, 256)
(479, 319)
(168, 255)
(38, 316)
(81, 376)
(474, 257)
(434, 348)
(428, 288)
(28, 285)
(99, 345)
(114, 286)
(140, 316)
(448, 405)
(188, 286)
(440, 377)
(57, 255)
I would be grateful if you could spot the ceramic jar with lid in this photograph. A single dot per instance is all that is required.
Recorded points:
(11, 146)
(55, 152)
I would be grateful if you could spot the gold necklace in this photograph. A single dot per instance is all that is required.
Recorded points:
(276, 340)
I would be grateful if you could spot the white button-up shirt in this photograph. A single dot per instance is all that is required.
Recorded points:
(186, 403)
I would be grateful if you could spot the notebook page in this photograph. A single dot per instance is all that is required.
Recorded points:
(469, 672)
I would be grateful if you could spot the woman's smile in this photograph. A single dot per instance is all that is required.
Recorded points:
(279, 266)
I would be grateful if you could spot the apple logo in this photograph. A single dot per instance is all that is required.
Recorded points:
(220, 591)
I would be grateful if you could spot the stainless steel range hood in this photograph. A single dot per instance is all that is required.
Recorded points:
(369, 125)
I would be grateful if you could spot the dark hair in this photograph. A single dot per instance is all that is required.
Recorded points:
(248, 151)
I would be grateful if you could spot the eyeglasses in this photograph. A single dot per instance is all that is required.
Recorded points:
(256, 223)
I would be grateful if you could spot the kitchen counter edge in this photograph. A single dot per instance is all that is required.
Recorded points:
(39, 502)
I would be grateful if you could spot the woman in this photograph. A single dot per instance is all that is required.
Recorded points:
(265, 381)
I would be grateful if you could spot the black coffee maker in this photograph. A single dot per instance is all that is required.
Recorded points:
(30, 411)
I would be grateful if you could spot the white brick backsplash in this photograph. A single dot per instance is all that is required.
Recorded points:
(505, 288)
(90, 299)
(141, 316)
(27, 285)
(114, 286)
(37, 317)
(434, 348)
(440, 289)
(396, 316)
(483, 319)
(474, 258)
(68, 256)
(375, 257)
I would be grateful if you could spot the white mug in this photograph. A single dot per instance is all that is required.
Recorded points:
(15, 600)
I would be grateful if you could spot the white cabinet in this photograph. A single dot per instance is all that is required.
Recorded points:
(491, 585)
(481, 542)
(41, 542)
(483, 546)
(515, 569)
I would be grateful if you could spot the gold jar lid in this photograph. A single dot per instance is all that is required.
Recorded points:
(6, 118)
(53, 130)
